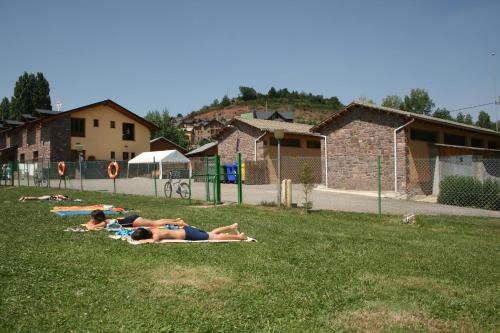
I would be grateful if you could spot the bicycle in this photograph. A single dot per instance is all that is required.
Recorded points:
(39, 179)
(182, 187)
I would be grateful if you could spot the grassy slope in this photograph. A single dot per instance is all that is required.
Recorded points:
(322, 272)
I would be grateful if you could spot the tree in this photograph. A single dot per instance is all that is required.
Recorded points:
(42, 93)
(442, 113)
(418, 101)
(307, 180)
(366, 100)
(225, 101)
(215, 103)
(484, 121)
(468, 119)
(179, 115)
(272, 93)
(30, 92)
(392, 101)
(460, 117)
(248, 93)
(4, 108)
(167, 127)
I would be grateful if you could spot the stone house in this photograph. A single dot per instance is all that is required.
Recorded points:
(409, 145)
(254, 139)
(200, 129)
(100, 131)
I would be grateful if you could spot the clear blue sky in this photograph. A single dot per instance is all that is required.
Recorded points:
(181, 55)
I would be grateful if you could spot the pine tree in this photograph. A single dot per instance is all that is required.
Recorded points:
(4, 109)
(30, 92)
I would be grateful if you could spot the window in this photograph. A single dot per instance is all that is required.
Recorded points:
(125, 155)
(313, 144)
(96, 122)
(128, 131)
(286, 142)
(492, 145)
(421, 135)
(21, 158)
(112, 124)
(77, 126)
(35, 156)
(113, 156)
(452, 139)
(132, 155)
(478, 143)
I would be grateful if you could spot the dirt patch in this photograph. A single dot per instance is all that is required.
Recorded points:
(416, 282)
(383, 320)
(204, 277)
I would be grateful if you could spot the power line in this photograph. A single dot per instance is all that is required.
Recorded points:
(472, 107)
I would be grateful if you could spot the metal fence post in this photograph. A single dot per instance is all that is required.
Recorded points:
(11, 173)
(240, 187)
(379, 187)
(27, 174)
(217, 178)
(154, 176)
(207, 180)
(81, 172)
(48, 176)
(18, 175)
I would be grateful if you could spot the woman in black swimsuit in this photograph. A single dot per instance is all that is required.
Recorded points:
(99, 221)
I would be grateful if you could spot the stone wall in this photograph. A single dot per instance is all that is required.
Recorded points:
(354, 140)
(60, 139)
(240, 138)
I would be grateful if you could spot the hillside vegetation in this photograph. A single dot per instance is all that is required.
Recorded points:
(307, 107)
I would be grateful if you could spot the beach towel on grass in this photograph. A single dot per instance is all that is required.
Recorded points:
(86, 210)
(163, 241)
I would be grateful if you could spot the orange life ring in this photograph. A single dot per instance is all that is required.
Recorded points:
(61, 168)
(110, 171)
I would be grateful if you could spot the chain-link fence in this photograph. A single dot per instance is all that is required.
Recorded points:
(341, 182)
(468, 181)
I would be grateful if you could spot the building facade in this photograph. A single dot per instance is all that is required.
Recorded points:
(408, 145)
(99, 131)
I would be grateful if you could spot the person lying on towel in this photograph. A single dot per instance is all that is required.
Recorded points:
(189, 233)
(99, 221)
(57, 197)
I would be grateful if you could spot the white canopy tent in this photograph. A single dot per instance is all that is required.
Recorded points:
(160, 157)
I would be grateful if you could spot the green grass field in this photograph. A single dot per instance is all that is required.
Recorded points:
(321, 272)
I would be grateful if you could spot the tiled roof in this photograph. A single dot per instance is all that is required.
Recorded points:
(406, 114)
(202, 148)
(271, 125)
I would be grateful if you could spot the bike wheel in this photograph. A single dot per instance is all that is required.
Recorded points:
(184, 191)
(167, 188)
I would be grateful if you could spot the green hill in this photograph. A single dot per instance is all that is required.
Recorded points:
(307, 107)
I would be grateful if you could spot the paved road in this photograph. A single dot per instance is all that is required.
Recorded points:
(256, 194)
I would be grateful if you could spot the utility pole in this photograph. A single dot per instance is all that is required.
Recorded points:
(495, 89)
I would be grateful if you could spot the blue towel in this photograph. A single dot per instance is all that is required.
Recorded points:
(86, 212)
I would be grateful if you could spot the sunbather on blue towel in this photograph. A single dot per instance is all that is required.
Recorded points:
(99, 221)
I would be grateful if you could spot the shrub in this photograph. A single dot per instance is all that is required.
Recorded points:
(469, 192)
(307, 180)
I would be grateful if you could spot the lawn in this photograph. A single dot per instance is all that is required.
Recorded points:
(321, 272)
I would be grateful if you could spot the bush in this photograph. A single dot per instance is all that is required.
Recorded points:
(469, 192)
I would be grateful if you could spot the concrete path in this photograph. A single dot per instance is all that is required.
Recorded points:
(256, 194)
